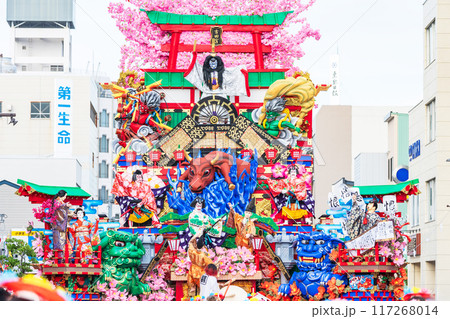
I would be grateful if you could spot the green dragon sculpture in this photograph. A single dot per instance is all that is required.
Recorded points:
(121, 255)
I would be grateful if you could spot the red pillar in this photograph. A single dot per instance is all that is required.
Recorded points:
(178, 291)
(259, 62)
(173, 54)
(66, 253)
(377, 252)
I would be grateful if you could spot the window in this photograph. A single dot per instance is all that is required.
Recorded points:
(430, 274)
(414, 210)
(430, 38)
(56, 68)
(103, 146)
(40, 110)
(93, 115)
(103, 194)
(390, 168)
(431, 120)
(103, 170)
(104, 119)
(431, 199)
(24, 67)
(103, 93)
(0, 107)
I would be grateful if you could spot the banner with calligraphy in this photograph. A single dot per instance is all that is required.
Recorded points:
(341, 196)
(383, 231)
(334, 75)
(390, 206)
(62, 118)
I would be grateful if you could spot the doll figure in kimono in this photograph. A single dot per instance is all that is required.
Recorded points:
(83, 235)
(359, 221)
(244, 225)
(292, 194)
(214, 79)
(199, 260)
(136, 198)
(62, 214)
(200, 222)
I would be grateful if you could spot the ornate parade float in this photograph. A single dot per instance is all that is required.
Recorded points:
(213, 165)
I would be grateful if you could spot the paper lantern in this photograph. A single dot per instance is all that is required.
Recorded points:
(154, 155)
(296, 153)
(174, 245)
(257, 243)
(130, 157)
(271, 154)
(246, 152)
(178, 155)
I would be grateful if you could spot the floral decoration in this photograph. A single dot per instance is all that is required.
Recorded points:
(144, 39)
(228, 261)
(160, 291)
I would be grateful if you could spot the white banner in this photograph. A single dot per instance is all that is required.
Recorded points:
(359, 198)
(383, 231)
(62, 118)
(333, 201)
(390, 205)
(334, 68)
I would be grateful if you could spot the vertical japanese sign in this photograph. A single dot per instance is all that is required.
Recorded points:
(216, 35)
(334, 64)
(62, 118)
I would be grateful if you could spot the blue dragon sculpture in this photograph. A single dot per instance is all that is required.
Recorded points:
(314, 263)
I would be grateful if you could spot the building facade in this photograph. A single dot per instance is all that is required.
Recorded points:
(351, 142)
(429, 140)
(63, 136)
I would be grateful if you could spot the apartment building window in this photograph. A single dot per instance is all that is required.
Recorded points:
(430, 38)
(56, 68)
(103, 194)
(103, 144)
(431, 120)
(390, 168)
(414, 200)
(94, 116)
(103, 170)
(431, 199)
(40, 110)
(104, 118)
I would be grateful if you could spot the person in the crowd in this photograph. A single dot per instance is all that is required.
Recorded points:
(209, 287)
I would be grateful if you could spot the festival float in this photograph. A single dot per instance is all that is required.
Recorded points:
(213, 175)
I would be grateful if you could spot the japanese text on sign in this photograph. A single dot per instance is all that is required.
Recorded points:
(63, 120)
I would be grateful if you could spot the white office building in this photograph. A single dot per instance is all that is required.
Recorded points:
(64, 128)
(429, 142)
